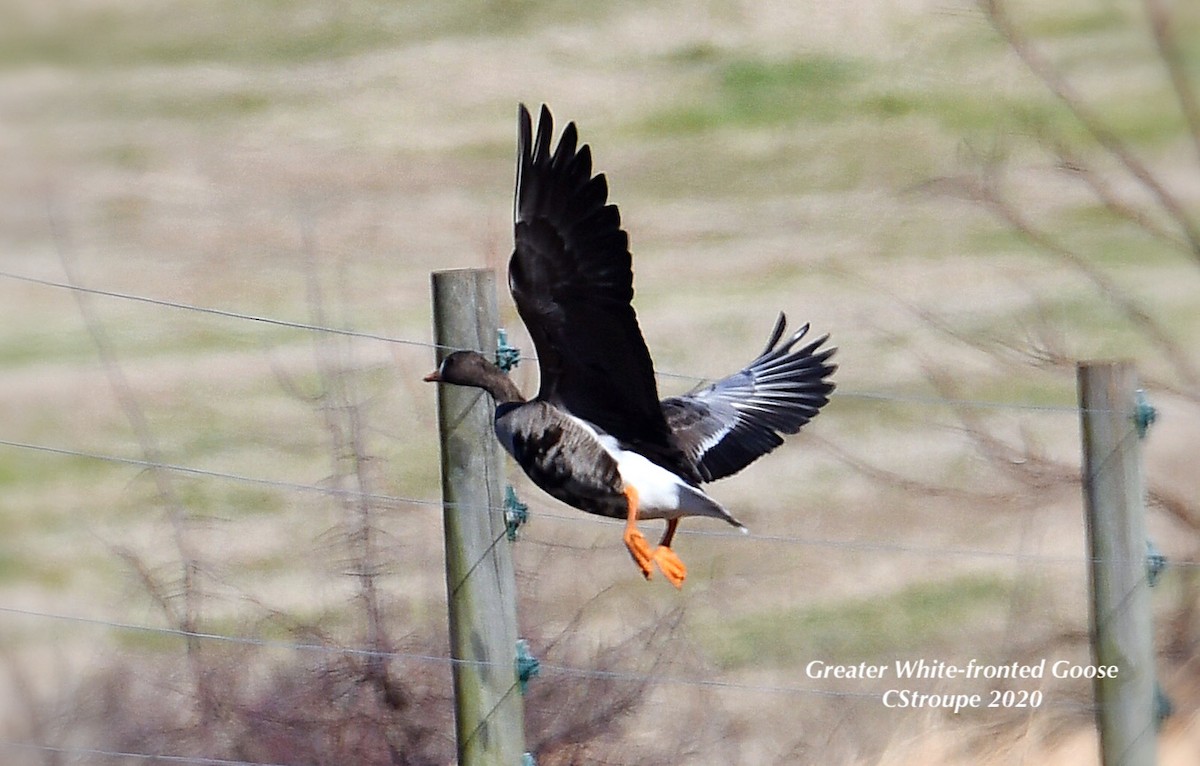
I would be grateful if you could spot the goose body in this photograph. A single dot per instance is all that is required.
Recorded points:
(597, 436)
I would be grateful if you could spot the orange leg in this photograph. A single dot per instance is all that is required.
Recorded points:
(639, 549)
(671, 565)
(662, 556)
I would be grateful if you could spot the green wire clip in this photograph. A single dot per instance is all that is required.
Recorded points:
(516, 513)
(1163, 707)
(507, 357)
(1144, 413)
(1156, 563)
(527, 665)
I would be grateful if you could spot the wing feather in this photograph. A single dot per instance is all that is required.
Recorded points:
(726, 426)
(571, 277)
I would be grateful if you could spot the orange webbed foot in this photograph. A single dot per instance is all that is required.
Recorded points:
(663, 557)
(671, 565)
(639, 549)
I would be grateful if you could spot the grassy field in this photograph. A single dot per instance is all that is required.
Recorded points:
(312, 162)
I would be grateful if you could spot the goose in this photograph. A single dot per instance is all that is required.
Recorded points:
(597, 436)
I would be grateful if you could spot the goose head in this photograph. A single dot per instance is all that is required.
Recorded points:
(471, 368)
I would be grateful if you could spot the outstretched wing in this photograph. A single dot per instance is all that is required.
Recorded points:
(728, 425)
(572, 279)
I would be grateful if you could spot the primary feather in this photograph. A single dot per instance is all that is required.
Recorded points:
(571, 277)
(729, 424)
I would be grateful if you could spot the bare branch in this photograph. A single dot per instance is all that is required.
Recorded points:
(351, 464)
(574, 719)
(1168, 51)
(988, 194)
(1174, 506)
(1070, 162)
(997, 13)
(187, 618)
(893, 479)
(1027, 466)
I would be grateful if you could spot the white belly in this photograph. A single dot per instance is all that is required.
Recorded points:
(661, 494)
(659, 491)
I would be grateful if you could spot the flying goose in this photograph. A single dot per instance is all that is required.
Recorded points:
(596, 436)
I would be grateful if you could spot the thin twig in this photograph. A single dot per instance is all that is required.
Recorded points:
(987, 193)
(1177, 71)
(187, 618)
(1071, 163)
(997, 13)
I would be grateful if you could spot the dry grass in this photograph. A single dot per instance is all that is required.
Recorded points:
(766, 156)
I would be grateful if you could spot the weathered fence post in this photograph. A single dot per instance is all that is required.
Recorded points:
(1121, 620)
(489, 713)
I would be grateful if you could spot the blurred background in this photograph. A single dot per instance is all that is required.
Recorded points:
(218, 462)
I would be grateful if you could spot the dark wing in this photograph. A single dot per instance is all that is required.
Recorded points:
(572, 279)
(728, 425)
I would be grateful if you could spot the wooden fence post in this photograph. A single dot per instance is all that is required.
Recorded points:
(481, 589)
(1120, 615)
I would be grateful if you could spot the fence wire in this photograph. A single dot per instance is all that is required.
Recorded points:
(902, 398)
(544, 668)
(397, 502)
